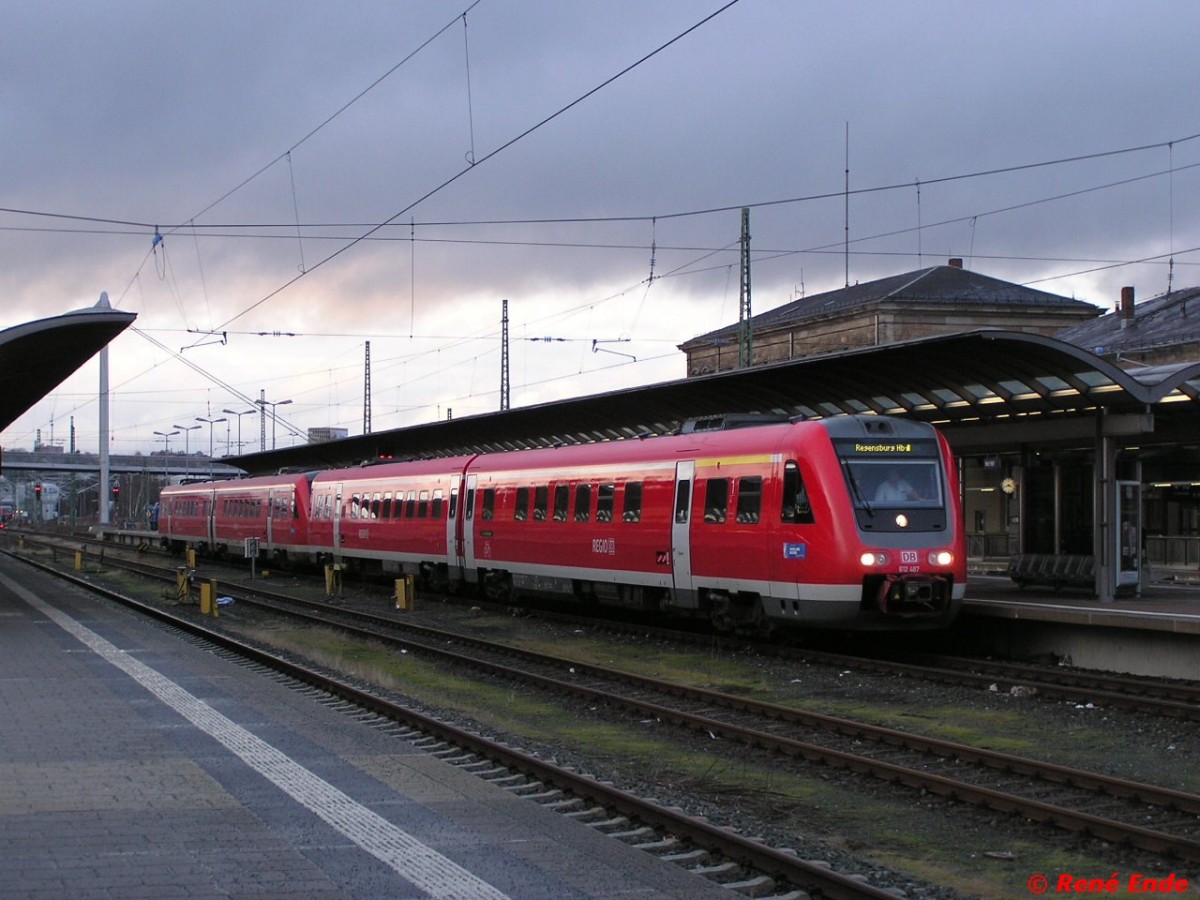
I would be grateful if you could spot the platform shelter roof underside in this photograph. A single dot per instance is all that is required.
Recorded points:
(36, 357)
(986, 389)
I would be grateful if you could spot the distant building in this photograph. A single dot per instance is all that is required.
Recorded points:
(934, 301)
(324, 435)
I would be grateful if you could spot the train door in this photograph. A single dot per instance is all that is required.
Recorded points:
(466, 515)
(210, 520)
(454, 548)
(272, 494)
(337, 522)
(681, 535)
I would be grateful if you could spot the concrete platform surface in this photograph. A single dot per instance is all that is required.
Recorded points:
(134, 763)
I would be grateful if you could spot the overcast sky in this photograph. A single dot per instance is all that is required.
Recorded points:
(323, 174)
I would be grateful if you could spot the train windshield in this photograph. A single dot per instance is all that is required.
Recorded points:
(894, 483)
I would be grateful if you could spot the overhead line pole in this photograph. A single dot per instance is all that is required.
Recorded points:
(745, 330)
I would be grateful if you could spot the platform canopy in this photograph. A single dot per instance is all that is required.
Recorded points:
(983, 388)
(37, 357)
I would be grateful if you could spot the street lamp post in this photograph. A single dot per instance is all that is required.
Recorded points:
(166, 436)
(234, 412)
(186, 452)
(210, 423)
(274, 418)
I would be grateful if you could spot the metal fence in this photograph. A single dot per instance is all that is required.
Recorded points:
(982, 546)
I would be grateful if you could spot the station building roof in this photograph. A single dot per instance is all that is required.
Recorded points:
(986, 389)
(1160, 328)
(38, 356)
(948, 286)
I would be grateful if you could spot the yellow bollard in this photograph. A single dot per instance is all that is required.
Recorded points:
(207, 589)
(78, 560)
(333, 579)
(183, 584)
(190, 557)
(406, 597)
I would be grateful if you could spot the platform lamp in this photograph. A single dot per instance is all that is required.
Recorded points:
(210, 423)
(234, 412)
(166, 436)
(186, 452)
(274, 418)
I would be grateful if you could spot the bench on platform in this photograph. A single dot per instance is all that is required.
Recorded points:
(1053, 570)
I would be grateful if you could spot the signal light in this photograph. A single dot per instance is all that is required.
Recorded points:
(116, 489)
(37, 489)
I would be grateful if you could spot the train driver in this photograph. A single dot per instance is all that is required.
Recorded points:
(895, 488)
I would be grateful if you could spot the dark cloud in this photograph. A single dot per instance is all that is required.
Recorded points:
(154, 112)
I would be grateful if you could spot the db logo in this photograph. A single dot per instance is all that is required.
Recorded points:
(909, 557)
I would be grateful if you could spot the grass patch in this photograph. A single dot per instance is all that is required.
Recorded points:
(870, 819)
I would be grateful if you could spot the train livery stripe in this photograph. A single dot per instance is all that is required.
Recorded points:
(757, 459)
(412, 860)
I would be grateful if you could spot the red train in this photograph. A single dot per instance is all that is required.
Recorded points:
(851, 522)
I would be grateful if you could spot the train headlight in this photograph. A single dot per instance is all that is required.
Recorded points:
(902, 521)
(874, 558)
(941, 558)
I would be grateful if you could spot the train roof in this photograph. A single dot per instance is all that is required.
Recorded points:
(251, 483)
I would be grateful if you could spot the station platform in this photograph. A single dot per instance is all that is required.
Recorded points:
(134, 763)
(1156, 633)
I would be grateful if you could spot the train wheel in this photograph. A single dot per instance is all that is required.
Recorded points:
(497, 586)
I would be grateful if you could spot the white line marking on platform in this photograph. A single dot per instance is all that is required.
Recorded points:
(407, 856)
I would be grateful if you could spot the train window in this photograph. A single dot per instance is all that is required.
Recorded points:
(604, 502)
(374, 509)
(423, 506)
(435, 511)
(716, 500)
(562, 498)
(796, 506)
(910, 482)
(749, 499)
(469, 512)
(410, 508)
(631, 511)
(453, 502)
(541, 498)
(683, 494)
(489, 504)
(385, 511)
(521, 510)
(583, 502)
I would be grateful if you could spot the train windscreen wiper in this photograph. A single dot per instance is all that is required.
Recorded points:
(858, 494)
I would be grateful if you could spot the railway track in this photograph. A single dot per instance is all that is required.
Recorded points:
(1162, 821)
(1144, 695)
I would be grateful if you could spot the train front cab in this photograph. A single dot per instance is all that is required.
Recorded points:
(787, 535)
(901, 487)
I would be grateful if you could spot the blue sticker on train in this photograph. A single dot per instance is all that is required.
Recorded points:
(795, 551)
